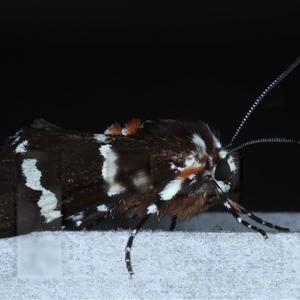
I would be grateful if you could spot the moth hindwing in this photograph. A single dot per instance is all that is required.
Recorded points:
(53, 178)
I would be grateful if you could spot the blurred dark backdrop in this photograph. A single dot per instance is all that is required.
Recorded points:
(86, 64)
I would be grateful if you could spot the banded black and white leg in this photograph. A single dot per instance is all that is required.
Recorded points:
(235, 209)
(256, 218)
(152, 209)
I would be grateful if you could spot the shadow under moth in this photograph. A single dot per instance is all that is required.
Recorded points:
(53, 179)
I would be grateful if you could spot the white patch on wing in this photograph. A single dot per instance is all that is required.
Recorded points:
(100, 137)
(109, 170)
(115, 189)
(224, 187)
(48, 201)
(21, 148)
(102, 207)
(171, 189)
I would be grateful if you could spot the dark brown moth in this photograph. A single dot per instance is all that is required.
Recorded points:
(53, 179)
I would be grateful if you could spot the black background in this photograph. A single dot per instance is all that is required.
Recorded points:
(84, 65)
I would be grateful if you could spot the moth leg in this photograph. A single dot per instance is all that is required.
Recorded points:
(130, 241)
(173, 223)
(232, 210)
(151, 209)
(243, 210)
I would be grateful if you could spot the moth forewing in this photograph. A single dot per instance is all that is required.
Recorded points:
(41, 181)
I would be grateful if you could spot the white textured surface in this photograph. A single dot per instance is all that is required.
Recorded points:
(205, 265)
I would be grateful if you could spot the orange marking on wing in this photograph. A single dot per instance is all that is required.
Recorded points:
(132, 126)
(191, 171)
(114, 129)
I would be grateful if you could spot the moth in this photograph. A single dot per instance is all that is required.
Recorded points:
(53, 179)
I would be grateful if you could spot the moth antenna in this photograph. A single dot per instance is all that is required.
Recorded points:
(263, 94)
(264, 140)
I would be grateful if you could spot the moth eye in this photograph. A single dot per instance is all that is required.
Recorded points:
(222, 170)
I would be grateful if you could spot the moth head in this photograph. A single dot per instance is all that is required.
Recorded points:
(226, 167)
(219, 171)
(225, 171)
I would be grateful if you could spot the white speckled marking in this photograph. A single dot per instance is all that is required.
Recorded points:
(16, 137)
(190, 162)
(140, 178)
(239, 219)
(77, 217)
(100, 137)
(21, 148)
(216, 141)
(232, 164)
(199, 142)
(78, 223)
(223, 153)
(48, 201)
(224, 187)
(102, 207)
(171, 189)
(151, 209)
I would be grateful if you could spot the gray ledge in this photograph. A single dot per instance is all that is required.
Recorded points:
(167, 265)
